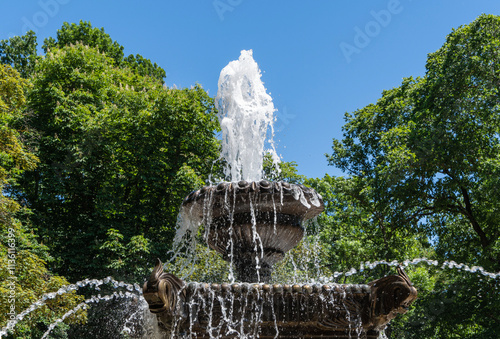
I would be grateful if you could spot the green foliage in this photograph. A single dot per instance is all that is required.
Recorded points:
(117, 151)
(451, 304)
(13, 156)
(354, 230)
(206, 265)
(304, 263)
(144, 67)
(20, 53)
(24, 277)
(32, 280)
(85, 34)
(428, 150)
(283, 171)
(423, 166)
(117, 256)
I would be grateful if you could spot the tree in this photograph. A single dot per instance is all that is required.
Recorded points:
(426, 157)
(85, 34)
(282, 171)
(144, 67)
(430, 148)
(118, 153)
(356, 231)
(20, 53)
(24, 277)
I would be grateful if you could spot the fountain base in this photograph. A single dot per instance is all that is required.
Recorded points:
(276, 311)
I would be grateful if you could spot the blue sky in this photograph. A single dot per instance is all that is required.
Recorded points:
(319, 59)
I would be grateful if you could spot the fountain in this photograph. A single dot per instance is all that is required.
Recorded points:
(252, 223)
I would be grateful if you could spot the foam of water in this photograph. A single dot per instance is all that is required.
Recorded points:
(245, 115)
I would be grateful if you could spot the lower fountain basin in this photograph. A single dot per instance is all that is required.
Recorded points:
(203, 310)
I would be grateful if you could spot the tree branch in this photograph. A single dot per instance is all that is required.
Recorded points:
(475, 225)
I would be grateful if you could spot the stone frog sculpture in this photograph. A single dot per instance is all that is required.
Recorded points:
(390, 296)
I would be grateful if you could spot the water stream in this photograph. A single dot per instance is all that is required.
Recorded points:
(123, 291)
(135, 291)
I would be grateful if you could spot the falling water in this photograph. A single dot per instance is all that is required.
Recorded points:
(246, 116)
(444, 265)
(131, 292)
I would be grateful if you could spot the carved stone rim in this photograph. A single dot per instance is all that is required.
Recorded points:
(280, 197)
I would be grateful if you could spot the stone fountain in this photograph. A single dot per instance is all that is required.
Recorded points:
(252, 224)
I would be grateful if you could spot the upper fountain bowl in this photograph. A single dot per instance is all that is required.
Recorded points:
(253, 224)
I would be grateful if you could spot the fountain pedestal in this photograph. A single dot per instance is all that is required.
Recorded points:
(254, 242)
(253, 224)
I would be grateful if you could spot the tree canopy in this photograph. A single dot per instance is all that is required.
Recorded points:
(85, 34)
(118, 152)
(429, 149)
(24, 277)
(425, 160)
(20, 53)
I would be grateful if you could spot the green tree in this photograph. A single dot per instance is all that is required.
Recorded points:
(85, 34)
(20, 52)
(430, 147)
(118, 153)
(144, 67)
(24, 277)
(426, 158)
(283, 171)
(356, 231)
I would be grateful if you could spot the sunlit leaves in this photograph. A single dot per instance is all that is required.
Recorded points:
(23, 268)
(118, 151)
(424, 159)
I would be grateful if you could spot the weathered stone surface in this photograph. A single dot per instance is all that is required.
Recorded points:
(254, 223)
(264, 196)
(291, 311)
(391, 295)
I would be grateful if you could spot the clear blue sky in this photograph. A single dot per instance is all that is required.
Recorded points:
(316, 64)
